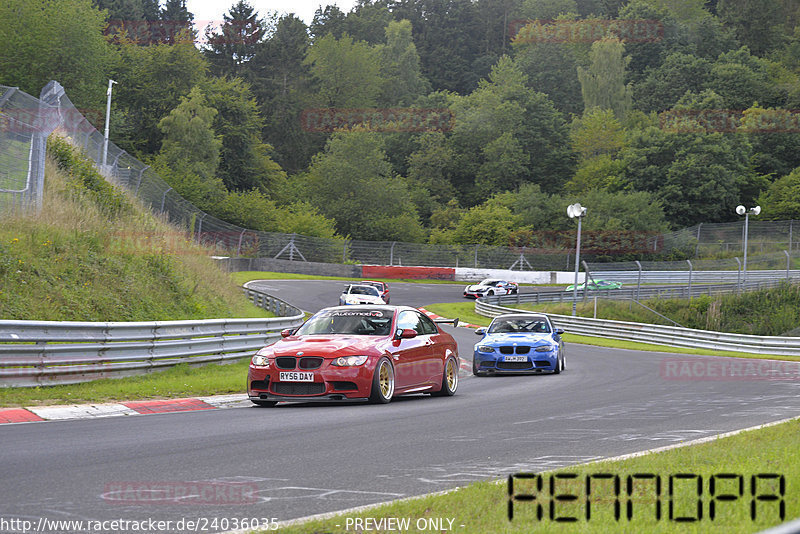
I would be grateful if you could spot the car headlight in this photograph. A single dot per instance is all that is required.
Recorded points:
(349, 361)
(545, 348)
(485, 348)
(260, 361)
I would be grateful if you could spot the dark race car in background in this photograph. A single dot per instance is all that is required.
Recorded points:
(382, 287)
(489, 287)
(370, 352)
(519, 342)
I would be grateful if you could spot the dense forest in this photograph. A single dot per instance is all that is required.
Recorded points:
(655, 114)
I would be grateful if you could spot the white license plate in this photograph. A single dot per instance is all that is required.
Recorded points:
(516, 358)
(296, 376)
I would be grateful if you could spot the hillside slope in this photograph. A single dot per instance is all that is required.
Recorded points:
(95, 254)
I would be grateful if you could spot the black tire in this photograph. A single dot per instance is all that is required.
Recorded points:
(559, 364)
(490, 293)
(449, 379)
(475, 368)
(382, 388)
(264, 403)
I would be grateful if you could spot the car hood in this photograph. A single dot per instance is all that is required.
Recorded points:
(510, 339)
(475, 287)
(328, 345)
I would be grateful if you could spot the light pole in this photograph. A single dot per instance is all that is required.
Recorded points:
(108, 119)
(576, 210)
(741, 210)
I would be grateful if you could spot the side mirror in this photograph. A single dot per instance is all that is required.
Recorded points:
(559, 331)
(286, 333)
(405, 333)
(480, 331)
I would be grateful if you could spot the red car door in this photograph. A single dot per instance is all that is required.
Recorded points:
(411, 355)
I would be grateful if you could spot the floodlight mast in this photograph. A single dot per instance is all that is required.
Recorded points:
(576, 211)
(741, 210)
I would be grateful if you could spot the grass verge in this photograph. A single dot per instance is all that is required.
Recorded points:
(465, 311)
(483, 507)
(176, 382)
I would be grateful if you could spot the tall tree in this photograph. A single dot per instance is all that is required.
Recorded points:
(175, 20)
(353, 183)
(603, 82)
(43, 40)
(236, 41)
(399, 67)
(330, 20)
(245, 161)
(122, 10)
(347, 73)
(758, 25)
(152, 81)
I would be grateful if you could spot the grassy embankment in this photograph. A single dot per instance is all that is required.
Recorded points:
(95, 254)
(483, 506)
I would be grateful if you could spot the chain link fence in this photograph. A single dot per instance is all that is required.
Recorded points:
(25, 123)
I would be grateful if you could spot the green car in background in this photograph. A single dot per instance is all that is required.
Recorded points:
(596, 284)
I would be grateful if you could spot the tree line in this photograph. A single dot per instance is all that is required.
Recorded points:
(617, 122)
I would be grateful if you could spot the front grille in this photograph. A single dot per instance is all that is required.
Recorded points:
(285, 362)
(298, 388)
(260, 384)
(488, 363)
(522, 349)
(310, 363)
(343, 386)
(542, 363)
(513, 365)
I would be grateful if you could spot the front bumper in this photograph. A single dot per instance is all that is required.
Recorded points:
(536, 362)
(330, 383)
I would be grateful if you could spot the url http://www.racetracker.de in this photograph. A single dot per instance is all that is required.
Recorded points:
(145, 525)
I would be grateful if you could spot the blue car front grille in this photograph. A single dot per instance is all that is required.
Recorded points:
(518, 349)
(514, 365)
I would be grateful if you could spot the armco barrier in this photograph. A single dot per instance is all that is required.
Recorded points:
(34, 353)
(661, 335)
(429, 273)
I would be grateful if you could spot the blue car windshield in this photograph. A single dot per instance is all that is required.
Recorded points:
(353, 322)
(519, 325)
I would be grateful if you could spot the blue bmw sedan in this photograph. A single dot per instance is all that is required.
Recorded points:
(519, 343)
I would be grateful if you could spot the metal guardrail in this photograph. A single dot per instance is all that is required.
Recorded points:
(661, 335)
(636, 293)
(696, 277)
(34, 353)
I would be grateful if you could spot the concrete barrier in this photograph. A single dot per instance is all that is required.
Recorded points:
(429, 273)
(464, 274)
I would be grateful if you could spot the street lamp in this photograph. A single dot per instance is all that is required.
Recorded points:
(741, 210)
(108, 119)
(576, 211)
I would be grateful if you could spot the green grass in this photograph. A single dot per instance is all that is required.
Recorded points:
(465, 311)
(178, 381)
(483, 507)
(94, 254)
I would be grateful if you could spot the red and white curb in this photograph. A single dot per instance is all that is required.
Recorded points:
(147, 407)
(434, 316)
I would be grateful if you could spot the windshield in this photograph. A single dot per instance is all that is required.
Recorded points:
(520, 324)
(353, 322)
(364, 290)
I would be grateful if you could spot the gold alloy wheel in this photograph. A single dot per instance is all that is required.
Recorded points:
(452, 375)
(386, 380)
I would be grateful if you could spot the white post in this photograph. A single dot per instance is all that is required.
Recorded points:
(108, 119)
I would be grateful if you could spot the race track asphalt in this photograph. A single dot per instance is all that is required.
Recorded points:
(302, 459)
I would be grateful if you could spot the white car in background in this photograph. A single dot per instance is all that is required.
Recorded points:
(360, 294)
(489, 287)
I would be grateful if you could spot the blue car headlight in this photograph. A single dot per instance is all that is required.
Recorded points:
(545, 348)
(485, 348)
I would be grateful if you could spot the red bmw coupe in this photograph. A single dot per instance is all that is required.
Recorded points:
(372, 352)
